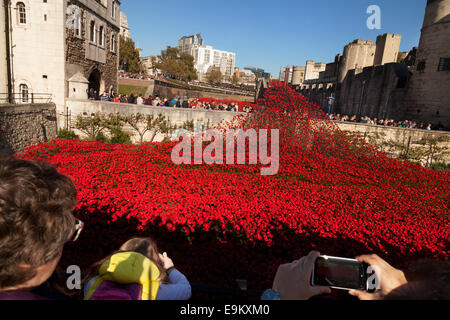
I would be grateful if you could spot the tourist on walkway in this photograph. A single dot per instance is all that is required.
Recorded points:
(132, 99)
(140, 100)
(104, 96)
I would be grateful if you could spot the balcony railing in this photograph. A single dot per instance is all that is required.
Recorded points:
(21, 98)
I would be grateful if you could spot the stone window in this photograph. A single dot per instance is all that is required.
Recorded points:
(113, 43)
(101, 36)
(23, 88)
(92, 32)
(444, 64)
(113, 9)
(421, 66)
(21, 13)
(78, 26)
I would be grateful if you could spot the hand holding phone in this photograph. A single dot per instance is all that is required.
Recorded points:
(340, 273)
(389, 278)
(293, 280)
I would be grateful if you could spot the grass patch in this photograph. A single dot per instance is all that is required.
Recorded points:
(128, 89)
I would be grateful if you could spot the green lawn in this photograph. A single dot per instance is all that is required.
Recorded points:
(128, 89)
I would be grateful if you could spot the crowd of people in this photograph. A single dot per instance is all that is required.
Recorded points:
(129, 75)
(222, 86)
(36, 221)
(388, 122)
(182, 102)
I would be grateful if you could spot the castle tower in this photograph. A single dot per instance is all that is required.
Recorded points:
(358, 54)
(298, 75)
(428, 97)
(388, 45)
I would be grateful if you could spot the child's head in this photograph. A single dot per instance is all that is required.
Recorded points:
(144, 246)
(148, 248)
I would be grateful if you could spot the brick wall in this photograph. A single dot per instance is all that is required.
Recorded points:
(21, 125)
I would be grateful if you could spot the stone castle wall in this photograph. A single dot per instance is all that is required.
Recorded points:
(22, 125)
(77, 53)
(376, 92)
(428, 96)
(403, 139)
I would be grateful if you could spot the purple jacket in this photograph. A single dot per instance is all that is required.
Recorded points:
(177, 289)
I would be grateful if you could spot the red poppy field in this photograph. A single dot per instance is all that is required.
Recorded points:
(219, 223)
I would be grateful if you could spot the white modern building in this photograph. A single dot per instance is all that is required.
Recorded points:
(206, 57)
(187, 44)
(148, 63)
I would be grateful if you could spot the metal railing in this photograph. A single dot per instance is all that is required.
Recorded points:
(23, 98)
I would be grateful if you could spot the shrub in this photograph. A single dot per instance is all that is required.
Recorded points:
(120, 137)
(440, 166)
(101, 137)
(67, 134)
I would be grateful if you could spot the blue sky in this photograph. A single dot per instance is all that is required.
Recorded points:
(270, 34)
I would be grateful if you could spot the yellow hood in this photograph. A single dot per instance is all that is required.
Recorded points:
(129, 268)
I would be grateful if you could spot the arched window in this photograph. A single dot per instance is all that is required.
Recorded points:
(92, 31)
(21, 13)
(113, 43)
(23, 88)
(113, 9)
(78, 26)
(101, 36)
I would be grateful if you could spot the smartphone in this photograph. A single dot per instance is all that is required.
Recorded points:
(340, 273)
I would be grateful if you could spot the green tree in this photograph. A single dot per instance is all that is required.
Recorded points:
(130, 54)
(176, 64)
(148, 123)
(92, 126)
(214, 76)
(235, 79)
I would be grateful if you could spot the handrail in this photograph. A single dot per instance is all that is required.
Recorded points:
(31, 97)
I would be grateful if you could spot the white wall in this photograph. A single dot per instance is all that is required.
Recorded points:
(38, 49)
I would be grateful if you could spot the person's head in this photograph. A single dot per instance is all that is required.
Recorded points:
(36, 204)
(144, 246)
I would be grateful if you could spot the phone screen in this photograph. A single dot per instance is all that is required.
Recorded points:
(339, 273)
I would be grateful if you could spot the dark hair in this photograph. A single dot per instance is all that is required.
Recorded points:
(427, 280)
(36, 204)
